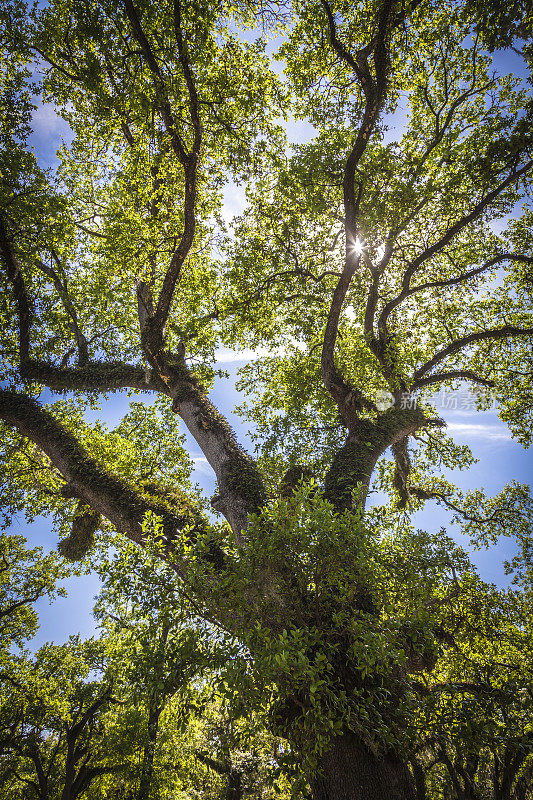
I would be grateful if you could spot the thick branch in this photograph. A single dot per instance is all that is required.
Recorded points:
(145, 304)
(353, 465)
(371, 304)
(25, 307)
(154, 328)
(150, 59)
(240, 484)
(374, 88)
(335, 384)
(349, 399)
(402, 468)
(99, 376)
(105, 493)
(189, 80)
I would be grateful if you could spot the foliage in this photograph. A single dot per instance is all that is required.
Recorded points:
(25, 577)
(383, 256)
(57, 724)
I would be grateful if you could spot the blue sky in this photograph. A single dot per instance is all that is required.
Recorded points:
(500, 459)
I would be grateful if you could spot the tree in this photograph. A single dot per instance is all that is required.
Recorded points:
(475, 735)
(56, 724)
(372, 269)
(25, 577)
(159, 652)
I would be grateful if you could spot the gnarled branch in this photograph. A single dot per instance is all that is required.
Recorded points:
(454, 281)
(107, 494)
(154, 327)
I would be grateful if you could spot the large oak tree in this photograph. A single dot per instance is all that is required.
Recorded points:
(374, 264)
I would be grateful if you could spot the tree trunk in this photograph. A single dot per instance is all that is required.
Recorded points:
(234, 785)
(349, 771)
(419, 779)
(147, 769)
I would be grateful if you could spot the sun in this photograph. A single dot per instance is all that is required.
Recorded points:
(358, 247)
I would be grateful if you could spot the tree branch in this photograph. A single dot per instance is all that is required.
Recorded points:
(107, 494)
(374, 87)
(459, 344)
(455, 374)
(452, 231)
(424, 494)
(240, 483)
(349, 399)
(153, 330)
(461, 278)
(346, 396)
(352, 466)
(100, 376)
(5, 612)
(189, 80)
(151, 61)
(62, 290)
(25, 307)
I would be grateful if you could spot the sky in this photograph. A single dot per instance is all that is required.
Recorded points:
(499, 456)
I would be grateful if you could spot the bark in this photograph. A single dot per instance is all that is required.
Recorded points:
(95, 376)
(156, 705)
(147, 769)
(349, 771)
(42, 777)
(70, 770)
(86, 479)
(420, 780)
(234, 786)
(240, 484)
(354, 463)
(512, 762)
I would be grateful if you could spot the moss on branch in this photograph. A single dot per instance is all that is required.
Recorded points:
(93, 376)
(354, 463)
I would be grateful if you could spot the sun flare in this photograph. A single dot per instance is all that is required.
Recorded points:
(358, 247)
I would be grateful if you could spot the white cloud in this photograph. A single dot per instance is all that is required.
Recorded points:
(234, 201)
(47, 122)
(491, 432)
(201, 464)
(226, 356)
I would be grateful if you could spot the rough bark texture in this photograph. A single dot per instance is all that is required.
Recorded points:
(350, 772)
(354, 463)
